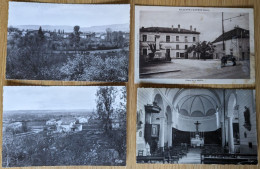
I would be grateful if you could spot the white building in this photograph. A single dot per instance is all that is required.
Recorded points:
(172, 42)
(236, 43)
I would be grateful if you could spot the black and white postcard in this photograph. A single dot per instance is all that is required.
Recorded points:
(194, 45)
(68, 42)
(63, 126)
(196, 126)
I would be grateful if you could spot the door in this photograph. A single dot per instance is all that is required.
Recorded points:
(168, 55)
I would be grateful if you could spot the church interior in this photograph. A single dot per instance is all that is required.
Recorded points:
(196, 126)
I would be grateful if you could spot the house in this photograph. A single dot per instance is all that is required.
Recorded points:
(47, 34)
(169, 41)
(115, 124)
(90, 35)
(236, 43)
(51, 122)
(82, 119)
(66, 125)
(76, 127)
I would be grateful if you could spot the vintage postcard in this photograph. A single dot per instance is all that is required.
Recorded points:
(63, 126)
(194, 45)
(68, 42)
(196, 126)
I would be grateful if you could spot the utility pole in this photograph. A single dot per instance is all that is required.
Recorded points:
(223, 38)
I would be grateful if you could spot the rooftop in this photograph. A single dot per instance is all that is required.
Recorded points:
(233, 34)
(168, 30)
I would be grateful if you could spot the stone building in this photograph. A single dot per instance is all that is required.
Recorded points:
(169, 42)
(201, 119)
(236, 43)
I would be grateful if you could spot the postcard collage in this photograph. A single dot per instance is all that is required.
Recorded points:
(87, 125)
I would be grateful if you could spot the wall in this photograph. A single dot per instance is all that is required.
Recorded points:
(168, 45)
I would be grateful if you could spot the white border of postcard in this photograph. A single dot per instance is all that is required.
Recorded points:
(196, 81)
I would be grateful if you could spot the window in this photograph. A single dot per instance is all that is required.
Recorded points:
(140, 134)
(186, 46)
(194, 39)
(144, 51)
(168, 39)
(177, 38)
(154, 131)
(231, 52)
(177, 47)
(144, 38)
(186, 39)
(177, 54)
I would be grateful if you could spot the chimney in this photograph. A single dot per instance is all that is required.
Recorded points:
(195, 29)
(172, 27)
(191, 28)
(179, 28)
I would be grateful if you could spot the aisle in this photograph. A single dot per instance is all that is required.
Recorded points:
(193, 157)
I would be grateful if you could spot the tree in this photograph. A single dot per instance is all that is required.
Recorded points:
(153, 49)
(40, 34)
(109, 34)
(205, 49)
(105, 99)
(75, 37)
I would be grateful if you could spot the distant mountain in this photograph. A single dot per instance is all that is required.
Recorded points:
(114, 27)
(48, 111)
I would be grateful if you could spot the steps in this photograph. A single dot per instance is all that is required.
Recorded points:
(193, 157)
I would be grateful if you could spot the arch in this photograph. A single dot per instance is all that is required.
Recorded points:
(231, 104)
(159, 101)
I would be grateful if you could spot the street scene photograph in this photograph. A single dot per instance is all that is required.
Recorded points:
(196, 126)
(180, 43)
(64, 126)
(68, 42)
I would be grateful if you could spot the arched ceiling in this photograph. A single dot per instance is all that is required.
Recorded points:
(196, 102)
(196, 105)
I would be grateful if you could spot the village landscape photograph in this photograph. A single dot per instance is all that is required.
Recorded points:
(71, 42)
(194, 43)
(63, 126)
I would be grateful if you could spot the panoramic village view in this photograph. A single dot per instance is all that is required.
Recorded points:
(215, 47)
(67, 136)
(46, 46)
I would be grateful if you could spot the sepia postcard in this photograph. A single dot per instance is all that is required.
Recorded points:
(68, 42)
(194, 45)
(64, 126)
(196, 126)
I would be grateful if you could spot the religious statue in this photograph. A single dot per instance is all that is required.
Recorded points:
(247, 123)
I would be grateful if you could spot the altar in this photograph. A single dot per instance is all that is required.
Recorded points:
(197, 141)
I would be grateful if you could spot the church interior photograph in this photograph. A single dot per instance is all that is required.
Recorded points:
(196, 126)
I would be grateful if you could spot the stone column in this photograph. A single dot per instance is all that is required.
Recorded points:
(170, 134)
(230, 135)
(223, 134)
(161, 139)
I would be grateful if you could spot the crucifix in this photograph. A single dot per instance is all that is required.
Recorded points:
(197, 126)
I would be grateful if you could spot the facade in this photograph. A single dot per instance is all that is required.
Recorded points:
(236, 42)
(168, 118)
(172, 42)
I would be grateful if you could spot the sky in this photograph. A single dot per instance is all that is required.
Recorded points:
(209, 24)
(85, 15)
(49, 97)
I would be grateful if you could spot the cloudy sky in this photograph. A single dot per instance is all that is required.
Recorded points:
(207, 23)
(49, 97)
(24, 13)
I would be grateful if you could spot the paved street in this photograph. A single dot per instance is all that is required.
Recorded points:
(196, 69)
